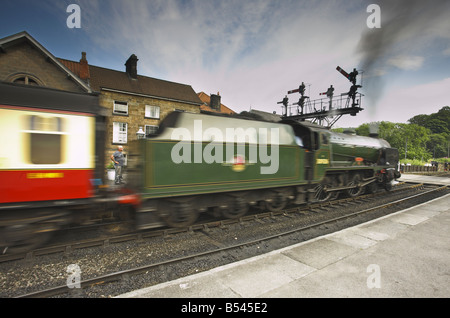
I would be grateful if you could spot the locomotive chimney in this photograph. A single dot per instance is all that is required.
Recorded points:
(374, 130)
(131, 66)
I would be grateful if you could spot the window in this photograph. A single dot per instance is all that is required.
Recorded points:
(46, 139)
(26, 79)
(120, 133)
(120, 108)
(151, 111)
(150, 130)
(324, 139)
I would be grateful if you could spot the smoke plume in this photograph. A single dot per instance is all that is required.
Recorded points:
(408, 28)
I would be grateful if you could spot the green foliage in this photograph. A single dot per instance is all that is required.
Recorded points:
(439, 125)
(413, 162)
(442, 160)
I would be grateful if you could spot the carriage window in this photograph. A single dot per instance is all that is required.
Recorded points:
(45, 149)
(46, 135)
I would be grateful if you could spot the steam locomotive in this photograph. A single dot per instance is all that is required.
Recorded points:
(225, 165)
(52, 166)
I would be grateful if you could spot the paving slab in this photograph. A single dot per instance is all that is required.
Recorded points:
(263, 275)
(320, 253)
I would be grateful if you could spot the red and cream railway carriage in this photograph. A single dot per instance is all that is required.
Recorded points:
(47, 159)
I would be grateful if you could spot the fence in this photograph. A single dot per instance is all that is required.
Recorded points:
(411, 168)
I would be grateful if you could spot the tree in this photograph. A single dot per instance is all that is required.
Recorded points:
(438, 145)
(419, 120)
(409, 138)
(437, 122)
(439, 125)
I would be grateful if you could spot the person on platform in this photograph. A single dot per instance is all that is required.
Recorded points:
(118, 159)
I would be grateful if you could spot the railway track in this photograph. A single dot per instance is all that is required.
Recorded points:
(204, 224)
(222, 249)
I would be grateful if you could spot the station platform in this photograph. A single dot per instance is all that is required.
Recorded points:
(424, 179)
(405, 254)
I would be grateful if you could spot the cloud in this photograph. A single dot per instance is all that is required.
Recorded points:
(446, 52)
(253, 52)
(250, 51)
(407, 63)
(398, 105)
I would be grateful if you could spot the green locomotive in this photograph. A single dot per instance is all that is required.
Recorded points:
(224, 165)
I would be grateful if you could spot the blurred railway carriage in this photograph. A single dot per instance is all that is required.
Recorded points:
(197, 163)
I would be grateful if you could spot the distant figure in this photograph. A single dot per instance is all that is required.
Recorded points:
(118, 159)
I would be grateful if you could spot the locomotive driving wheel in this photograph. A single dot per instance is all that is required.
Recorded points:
(180, 214)
(320, 191)
(238, 207)
(277, 201)
(355, 183)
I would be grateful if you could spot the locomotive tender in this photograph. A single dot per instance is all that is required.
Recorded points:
(199, 162)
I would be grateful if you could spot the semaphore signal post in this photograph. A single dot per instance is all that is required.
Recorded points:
(325, 111)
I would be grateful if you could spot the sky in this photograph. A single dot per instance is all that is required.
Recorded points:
(254, 51)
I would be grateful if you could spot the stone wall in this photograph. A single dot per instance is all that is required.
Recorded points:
(136, 115)
(24, 59)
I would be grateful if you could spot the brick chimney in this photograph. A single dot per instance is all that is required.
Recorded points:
(131, 66)
(84, 67)
(214, 102)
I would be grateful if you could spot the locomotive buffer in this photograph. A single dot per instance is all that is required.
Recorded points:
(325, 111)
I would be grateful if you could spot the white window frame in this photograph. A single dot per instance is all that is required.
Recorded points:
(148, 126)
(120, 132)
(152, 111)
(120, 108)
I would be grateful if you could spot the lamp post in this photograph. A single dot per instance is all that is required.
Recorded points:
(140, 133)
